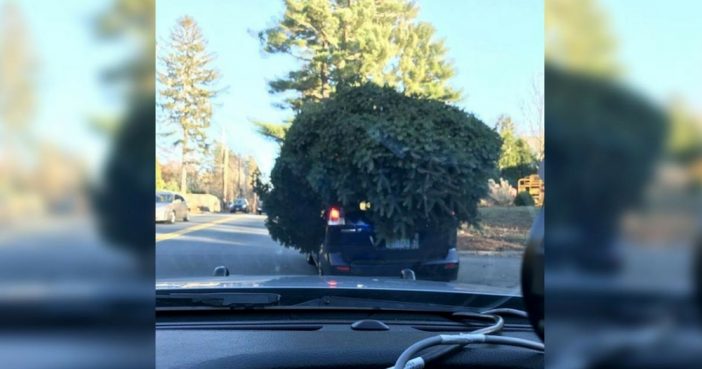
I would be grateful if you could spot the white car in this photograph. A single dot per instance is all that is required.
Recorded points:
(170, 207)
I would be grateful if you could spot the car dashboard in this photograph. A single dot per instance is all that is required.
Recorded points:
(323, 339)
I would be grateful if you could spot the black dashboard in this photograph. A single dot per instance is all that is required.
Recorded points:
(323, 339)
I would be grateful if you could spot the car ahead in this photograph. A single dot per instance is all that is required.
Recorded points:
(351, 247)
(259, 207)
(240, 205)
(171, 206)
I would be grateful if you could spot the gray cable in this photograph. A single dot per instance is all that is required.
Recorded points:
(463, 339)
(420, 361)
(515, 312)
(513, 341)
(416, 347)
(496, 327)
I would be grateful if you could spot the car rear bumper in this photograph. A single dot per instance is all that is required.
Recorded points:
(436, 269)
(161, 216)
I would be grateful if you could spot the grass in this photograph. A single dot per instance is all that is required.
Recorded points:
(501, 228)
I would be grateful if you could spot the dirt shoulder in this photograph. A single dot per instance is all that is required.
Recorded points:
(500, 229)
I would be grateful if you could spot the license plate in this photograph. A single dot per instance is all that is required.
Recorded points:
(403, 244)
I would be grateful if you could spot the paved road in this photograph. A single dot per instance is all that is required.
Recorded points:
(241, 242)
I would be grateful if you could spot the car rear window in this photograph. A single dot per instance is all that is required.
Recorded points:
(164, 197)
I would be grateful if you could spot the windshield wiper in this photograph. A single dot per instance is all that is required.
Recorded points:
(224, 300)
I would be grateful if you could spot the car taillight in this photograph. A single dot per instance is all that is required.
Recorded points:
(343, 268)
(335, 217)
(450, 266)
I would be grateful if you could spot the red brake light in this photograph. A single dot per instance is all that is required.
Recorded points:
(335, 217)
(343, 268)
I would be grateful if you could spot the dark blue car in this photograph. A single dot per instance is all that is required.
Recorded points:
(351, 247)
(240, 205)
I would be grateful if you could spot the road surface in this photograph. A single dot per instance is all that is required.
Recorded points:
(241, 243)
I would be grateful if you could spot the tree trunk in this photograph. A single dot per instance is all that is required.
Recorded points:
(239, 176)
(323, 78)
(323, 75)
(225, 167)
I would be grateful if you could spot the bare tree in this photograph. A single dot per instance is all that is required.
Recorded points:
(532, 108)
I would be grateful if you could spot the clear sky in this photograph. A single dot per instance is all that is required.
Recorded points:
(496, 47)
(69, 60)
(659, 45)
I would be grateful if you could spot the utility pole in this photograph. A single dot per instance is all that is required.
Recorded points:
(225, 168)
(239, 175)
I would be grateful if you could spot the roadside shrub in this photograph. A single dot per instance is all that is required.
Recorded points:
(524, 199)
(419, 162)
(517, 159)
(501, 194)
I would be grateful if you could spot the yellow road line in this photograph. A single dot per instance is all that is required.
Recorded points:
(167, 236)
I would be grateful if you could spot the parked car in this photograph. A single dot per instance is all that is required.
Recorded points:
(171, 206)
(240, 205)
(350, 247)
(259, 207)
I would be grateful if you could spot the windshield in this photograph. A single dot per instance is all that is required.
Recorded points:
(411, 176)
(164, 197)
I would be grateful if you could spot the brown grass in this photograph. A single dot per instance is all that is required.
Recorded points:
(500, 229)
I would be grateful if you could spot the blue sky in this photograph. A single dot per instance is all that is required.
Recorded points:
(658, 46)
(69, 60)
(496, 47)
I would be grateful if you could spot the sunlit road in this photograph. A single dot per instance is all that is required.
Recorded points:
(241, 243)
(238, 241)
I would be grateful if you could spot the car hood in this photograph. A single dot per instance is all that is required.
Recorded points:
(337, 282)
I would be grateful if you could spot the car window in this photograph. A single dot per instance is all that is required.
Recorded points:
(360, 182)
(164, 197)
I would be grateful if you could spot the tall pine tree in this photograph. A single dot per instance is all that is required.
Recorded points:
(187, 89)
(348, 42)
(422, 68)
(516, 158)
